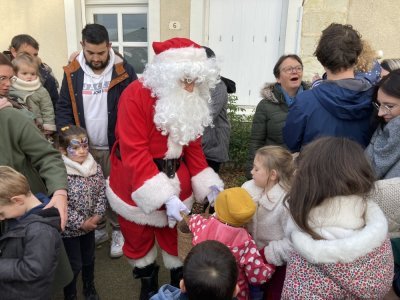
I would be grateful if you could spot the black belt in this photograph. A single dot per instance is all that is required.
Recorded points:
(168, 166)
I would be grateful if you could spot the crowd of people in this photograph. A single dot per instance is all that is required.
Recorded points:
(310, 222)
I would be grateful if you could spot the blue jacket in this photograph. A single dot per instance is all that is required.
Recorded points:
(340, 108)
(123, 74)
(169, 292)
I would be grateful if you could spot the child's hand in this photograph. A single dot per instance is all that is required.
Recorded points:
(96, 219)
(89, 225)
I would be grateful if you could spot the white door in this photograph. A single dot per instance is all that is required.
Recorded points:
(245, 36)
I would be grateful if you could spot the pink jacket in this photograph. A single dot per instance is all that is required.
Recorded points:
(252, 269)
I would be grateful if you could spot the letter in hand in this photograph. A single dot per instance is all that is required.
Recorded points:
(215, 190)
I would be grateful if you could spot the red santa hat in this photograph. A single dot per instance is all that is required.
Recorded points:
(179, 49)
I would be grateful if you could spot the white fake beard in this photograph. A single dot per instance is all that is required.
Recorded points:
(183, 115)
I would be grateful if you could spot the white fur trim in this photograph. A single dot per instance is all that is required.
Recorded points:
(348, 249)
(155, 192)
(144, 261)
(171, 262)
(174, 149)
(202, 181)
(86, 169)
(134, 214)
(183, 55)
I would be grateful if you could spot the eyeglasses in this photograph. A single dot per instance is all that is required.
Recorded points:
(387, 108)
(188, 80)
(11, 79)
(289, 70)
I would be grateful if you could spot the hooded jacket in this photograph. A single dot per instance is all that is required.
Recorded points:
(29, 256)
(340, 108)
(268, 121)
(169, 292)
(352, 261)
(122, 75)
(252, 268)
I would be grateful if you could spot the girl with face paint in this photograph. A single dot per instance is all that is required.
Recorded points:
(86, 207)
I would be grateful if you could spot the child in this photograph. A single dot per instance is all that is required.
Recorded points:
(340, 239)
(233, 209)
(272, 172)
(29, 249)
(209, 272)
(86, 207)
(28, 89)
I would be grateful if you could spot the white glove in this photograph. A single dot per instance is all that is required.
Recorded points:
(215, 190)
(174, 208)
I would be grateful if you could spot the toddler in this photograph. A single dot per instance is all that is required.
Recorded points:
(86, 207)
(28, 89)
(234, 208)
(272, 172)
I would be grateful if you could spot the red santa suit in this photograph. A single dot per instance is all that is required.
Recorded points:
(137, 189)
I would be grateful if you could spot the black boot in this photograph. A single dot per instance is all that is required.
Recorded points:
(89, 290)
(149, 280)
(176, 276)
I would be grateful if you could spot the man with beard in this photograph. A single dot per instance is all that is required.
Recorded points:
(158, 166)
(90, 91)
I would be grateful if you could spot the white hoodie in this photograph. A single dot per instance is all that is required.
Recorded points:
(94, 93)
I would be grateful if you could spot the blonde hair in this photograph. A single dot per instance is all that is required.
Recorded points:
(12, 183)
(279, 159)
(25, 59)
(367, 57)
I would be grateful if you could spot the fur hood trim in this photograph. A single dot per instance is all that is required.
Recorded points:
(267, 92)
(274, 196)
(131, 212)
(86, 169)
(347, 249)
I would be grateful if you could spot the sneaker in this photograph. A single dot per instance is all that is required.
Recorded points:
(117, 241)
(100, 236)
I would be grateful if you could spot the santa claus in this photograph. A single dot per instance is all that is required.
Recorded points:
(158, 168)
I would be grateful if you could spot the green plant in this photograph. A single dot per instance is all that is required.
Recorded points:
(240, 132)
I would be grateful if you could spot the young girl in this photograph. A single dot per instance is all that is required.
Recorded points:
(28, 90)
(86, 207)
(340, 245)
(272, 172)
(233, 209)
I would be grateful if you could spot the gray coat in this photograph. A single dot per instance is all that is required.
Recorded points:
(29, 257)
(215, 140)
(383, 150)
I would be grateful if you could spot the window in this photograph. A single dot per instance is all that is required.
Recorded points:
(128, 30)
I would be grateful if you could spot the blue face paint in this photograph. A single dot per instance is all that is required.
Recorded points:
(75, 144)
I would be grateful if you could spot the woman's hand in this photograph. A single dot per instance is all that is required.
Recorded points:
(60, 201)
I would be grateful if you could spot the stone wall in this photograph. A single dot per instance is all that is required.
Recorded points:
(377, 21)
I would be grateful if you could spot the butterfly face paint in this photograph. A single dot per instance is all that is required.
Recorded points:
(74, 147)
